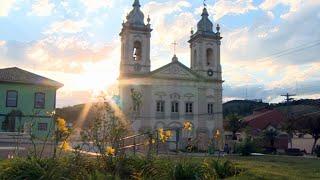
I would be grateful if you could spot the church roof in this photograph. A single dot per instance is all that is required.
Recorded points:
(205, 28)
(17, 75)
(205, 25)
(174, 70)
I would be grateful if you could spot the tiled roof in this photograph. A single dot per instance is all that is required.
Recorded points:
(263, 119)
(16, 75)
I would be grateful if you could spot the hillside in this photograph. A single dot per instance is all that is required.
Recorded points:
(78, 113)
(241, 107)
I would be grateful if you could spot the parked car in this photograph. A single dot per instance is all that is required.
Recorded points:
(294, 152)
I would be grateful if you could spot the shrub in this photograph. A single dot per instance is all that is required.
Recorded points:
(247, 147)
(183, 170)
(134, 167)
(31, 169)
(223, 169)
(156, 169)
(317, 151)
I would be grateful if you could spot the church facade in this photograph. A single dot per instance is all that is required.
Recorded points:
(172, 94)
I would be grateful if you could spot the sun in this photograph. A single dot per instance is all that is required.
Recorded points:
(97, 78)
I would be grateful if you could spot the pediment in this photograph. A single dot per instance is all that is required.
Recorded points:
(174, 70)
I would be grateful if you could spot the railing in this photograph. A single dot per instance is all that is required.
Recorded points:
(149, 139)
(135, 143)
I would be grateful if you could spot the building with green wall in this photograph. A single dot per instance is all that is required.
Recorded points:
(27, 101)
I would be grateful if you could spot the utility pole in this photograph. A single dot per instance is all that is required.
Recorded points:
(288, 97)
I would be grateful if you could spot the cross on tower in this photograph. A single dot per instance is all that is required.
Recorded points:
(174, 47)
(204, 3)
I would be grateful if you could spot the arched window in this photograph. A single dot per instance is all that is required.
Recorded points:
(137, 51)
(195, 57)
(209, 56)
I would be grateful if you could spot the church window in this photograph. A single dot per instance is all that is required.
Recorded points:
(189, 107)
(137, 51)
(210, 108)
(160, 106)
(174, 107)
(195, 57)
(209, 56)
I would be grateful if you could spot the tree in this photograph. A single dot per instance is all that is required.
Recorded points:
(270, 135)
(289, 126)
(106, 129)
(235, 124)
(309, 124)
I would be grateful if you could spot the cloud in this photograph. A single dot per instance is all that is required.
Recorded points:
(2, 43)
(67, 26)
(231, 7)
(93, 5)
(294, 5)
(6, 7)
(260, 91)
(292, 37)
(167, 30)
(57, 53)
(42, 8)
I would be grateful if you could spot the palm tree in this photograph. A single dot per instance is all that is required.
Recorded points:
(270, 135)
(235, 124)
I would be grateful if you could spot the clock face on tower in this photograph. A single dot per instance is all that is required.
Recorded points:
(210, 72)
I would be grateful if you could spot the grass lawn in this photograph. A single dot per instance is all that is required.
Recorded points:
(277, 167)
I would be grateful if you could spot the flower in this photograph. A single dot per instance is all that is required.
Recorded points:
(217, 134)
(65, 146)
(110, 151)
(187, 126)
(168, 134)
(61, 124)
(164, 135)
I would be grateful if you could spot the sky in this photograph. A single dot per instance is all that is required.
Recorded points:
(269, 47)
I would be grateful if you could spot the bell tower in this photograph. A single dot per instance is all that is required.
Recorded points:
(135, 43)
(205, 48)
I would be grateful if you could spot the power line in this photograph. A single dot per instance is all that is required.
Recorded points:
(290, 51)
(297, 50)
(285, 51)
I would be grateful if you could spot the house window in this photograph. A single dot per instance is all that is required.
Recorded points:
(12, 98)
(210, 108)
(175, 107)
(137, 51)
(42, 126)
(39, 100)
(189, 107)
(160, 106)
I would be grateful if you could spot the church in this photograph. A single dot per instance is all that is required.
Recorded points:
(174, 93)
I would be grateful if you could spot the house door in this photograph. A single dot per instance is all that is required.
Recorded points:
(11, 124)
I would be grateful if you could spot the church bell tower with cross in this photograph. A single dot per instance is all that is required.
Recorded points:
(135, 43)
(205, 48)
